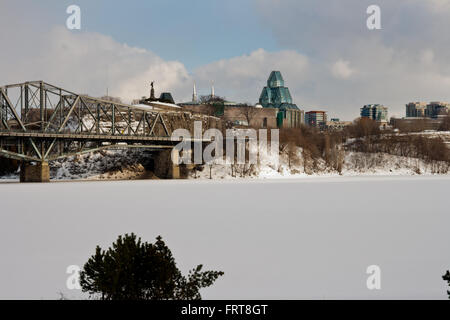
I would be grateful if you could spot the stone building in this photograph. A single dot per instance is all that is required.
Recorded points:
(252, 116)
(239, 116)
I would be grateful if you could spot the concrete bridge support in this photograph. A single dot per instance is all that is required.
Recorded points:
(164, 166)
(39, 172)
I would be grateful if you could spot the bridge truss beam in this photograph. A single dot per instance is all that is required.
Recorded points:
(41, 122)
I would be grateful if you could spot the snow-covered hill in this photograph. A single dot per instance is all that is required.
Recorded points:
(354, 164)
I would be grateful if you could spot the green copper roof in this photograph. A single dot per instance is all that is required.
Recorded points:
(275, 80)
(275, 94)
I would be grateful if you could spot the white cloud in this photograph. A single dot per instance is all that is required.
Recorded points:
(440, 4)
(341, 69)
(427, 57)
(90, 63)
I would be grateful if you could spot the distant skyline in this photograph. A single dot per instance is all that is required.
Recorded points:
(328, 57)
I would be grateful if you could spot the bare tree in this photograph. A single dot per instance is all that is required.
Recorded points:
(249, 112)
(445, 125)
(211, 100)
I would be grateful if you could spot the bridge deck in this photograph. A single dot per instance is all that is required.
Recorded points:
(103, 137)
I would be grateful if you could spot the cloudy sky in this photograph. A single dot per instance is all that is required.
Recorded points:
(328, 57)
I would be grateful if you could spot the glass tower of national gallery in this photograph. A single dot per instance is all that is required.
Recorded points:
(275, 94)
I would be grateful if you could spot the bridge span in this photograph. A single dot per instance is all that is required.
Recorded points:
(40, 122)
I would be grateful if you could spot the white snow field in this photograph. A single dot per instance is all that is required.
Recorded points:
(274, 239)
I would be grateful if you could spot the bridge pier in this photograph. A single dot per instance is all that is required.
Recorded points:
(164, 167)
(39, 172)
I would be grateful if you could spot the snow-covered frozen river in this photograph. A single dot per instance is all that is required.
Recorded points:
(274, 239)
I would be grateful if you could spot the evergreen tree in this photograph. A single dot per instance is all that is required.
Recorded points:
(446, 277)
(135, 270)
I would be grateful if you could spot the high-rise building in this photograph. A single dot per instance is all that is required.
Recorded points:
(416, 110)
(316, 118)
(437, 109)
(375, 112)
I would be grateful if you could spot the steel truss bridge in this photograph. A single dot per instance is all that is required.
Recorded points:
(40, 122)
